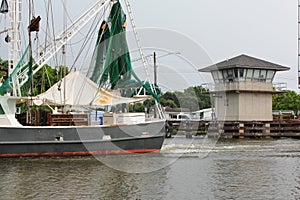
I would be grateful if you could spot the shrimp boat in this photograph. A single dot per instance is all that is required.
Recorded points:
(109, 81)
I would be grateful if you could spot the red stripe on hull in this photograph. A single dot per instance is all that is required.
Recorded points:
(87, 153)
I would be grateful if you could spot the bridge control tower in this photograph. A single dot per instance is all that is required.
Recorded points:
(243, 88)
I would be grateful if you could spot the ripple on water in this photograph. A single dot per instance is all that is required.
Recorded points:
(232, 169)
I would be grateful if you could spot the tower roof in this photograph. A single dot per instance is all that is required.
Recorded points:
(244, 61)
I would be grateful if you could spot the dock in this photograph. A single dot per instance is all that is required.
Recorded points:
(235, 129)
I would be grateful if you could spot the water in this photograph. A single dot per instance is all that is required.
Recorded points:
(186, 169)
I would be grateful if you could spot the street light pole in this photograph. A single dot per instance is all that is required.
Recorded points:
(155, 68)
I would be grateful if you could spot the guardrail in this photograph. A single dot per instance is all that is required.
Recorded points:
(245, 86)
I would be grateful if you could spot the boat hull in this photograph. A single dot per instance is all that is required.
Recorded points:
(81, 141)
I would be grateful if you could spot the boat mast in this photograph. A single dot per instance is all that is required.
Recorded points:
(60, 40)
(64, 48)
(30, 43)
(20, 75)
(298, 44)
(15, 45)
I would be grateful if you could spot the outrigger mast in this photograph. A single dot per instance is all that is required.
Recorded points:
(43, 55)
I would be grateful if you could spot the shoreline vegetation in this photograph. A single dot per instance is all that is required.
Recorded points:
(193, 98)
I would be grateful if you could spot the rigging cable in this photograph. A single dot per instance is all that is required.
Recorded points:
(87, 38)
(158, 106)
(137, 38)
(91, 31)
(64, 49)
(53, 33)
(85, 43)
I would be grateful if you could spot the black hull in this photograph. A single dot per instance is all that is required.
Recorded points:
(81, 141)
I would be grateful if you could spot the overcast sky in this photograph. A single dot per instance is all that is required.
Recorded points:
(265, 29)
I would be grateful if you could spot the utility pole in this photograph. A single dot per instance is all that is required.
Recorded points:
(155, 81)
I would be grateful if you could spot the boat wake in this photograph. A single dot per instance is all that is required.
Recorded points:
(186, 146)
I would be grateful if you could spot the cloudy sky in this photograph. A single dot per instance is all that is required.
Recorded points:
(221, 29)
(265, 29)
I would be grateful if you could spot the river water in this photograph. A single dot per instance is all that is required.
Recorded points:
(186, 169)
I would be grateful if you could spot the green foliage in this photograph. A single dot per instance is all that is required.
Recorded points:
(42, 80)
(148, 103)
(168, 102)
(137, 107)
(287, 101)
(3, 68)
(194, 98)
(47, 77)
(171, 96)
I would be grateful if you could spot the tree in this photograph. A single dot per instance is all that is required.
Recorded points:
(194, 98)
(170, 103)
(171, 96)
(42, 80)
(47, 77)
(137, 107)
(287, 101)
